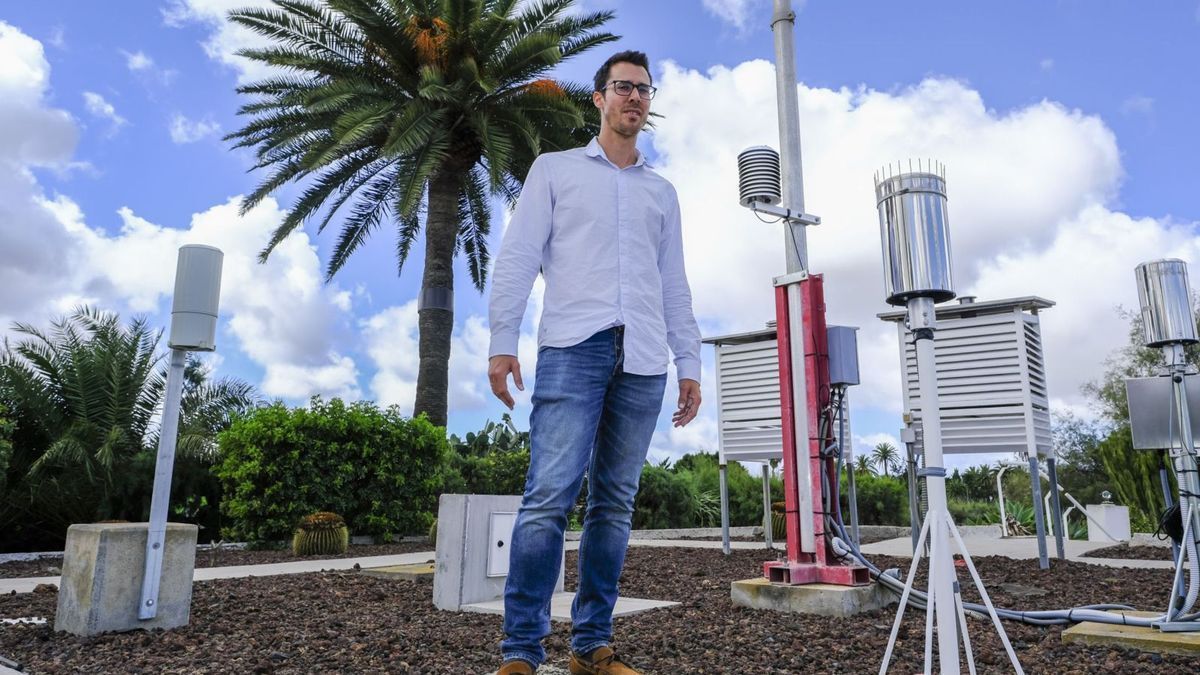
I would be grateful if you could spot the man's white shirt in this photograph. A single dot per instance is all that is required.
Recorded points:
(609, 243)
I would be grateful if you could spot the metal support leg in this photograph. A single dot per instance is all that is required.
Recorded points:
(164, 466)
(724, 511)
(1039, 519)
(768, 520)
(1060, 531)
(853, 500)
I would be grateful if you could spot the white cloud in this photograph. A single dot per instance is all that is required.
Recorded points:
(226, 38)
(184, 130)
(98, 106)
(138, 60)
(145, 68)
(1047, 64)
(392, 342)
(52, 259)
(1137, 105)
(1029, 191)
(280, 313)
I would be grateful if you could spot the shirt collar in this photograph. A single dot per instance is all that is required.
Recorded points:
(593, 149)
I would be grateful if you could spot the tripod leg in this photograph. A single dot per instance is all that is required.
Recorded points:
(1012, 656)
(908, 584)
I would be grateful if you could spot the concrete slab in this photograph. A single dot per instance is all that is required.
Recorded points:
(819, 599)
(560, 606)
(1136, 637)
(417, 572)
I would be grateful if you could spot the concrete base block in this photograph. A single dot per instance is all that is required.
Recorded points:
(415, 572)
(1133, 637)
(103, 566)
(820, 599)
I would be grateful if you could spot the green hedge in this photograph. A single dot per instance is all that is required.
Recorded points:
(378, 470)
(882, 500)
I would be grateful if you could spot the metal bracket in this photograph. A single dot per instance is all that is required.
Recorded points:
(795, 217)
(436, 297)
(788, 279)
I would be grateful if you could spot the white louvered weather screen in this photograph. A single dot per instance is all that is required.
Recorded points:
(991, 376)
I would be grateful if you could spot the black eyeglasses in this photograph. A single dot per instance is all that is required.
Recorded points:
(625, 88)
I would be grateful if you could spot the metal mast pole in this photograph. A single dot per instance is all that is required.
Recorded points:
(783, 24)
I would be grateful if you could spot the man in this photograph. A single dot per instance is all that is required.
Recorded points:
(604, 230)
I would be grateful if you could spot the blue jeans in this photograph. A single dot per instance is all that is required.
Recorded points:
(588, 414)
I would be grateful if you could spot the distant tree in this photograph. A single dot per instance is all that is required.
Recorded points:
(1133, 474)
(398, 109)
(887, 458)
(864, 465)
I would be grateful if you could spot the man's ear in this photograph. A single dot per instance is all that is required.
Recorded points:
(598, 99)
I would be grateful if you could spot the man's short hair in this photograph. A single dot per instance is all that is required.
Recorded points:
(630, 56)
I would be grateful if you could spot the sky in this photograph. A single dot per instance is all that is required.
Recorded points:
(1068, 128)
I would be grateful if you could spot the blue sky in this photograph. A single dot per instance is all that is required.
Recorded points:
(1069, 129)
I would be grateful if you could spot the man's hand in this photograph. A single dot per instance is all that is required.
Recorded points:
(689, 402)
(499, 367)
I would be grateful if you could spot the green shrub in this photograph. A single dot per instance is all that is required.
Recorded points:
(664, 500)
(498, 473)
(6, 431)
(975, 512)
(882, 500)
(702, 472)
(381, 471)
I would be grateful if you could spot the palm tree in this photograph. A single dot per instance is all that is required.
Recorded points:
(864, 465)
(404, 106)
(83, 397)
(886, 457)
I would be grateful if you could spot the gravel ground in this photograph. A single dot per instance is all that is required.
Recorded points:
(51, 566)
(348, 622)
(1127, 552)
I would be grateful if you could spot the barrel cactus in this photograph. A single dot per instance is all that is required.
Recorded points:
(321, 533)
(778, 522)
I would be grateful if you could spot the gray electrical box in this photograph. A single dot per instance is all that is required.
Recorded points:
(1152, 415)
(474, 537)
(843, 355)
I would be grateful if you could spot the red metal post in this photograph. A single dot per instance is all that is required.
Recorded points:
(820, 565)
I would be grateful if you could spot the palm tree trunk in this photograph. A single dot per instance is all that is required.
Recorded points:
(435, 307)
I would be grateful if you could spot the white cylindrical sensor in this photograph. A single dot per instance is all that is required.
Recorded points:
(197, 294)
(915, 232)
(1166, 302)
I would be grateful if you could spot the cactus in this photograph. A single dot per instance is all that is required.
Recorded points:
(778, 522)
(433, 532)
(321, 533)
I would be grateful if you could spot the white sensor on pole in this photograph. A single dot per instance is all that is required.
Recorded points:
(193, 328)
(915, 237)
(197, 293)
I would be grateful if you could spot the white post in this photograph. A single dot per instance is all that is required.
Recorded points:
(193, 328)
(941, 563)
(164, 465)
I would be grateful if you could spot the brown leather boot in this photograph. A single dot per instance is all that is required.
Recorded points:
(603, 661)
(515, 667)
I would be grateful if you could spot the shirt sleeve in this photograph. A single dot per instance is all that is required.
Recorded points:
(520, 260)
(683, 335)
